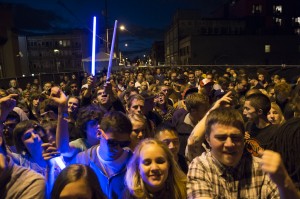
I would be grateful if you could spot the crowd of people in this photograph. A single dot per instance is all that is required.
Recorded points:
(152, 133)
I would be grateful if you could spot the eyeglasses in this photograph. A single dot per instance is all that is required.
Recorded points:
(114, 143)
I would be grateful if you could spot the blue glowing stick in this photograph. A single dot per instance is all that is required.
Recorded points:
(93, 47)
(111, 54)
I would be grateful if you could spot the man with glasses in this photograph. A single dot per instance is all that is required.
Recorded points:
(109, 158)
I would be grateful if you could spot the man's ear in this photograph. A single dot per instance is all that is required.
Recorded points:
(99, 133)
(207, 139)
(260, 111)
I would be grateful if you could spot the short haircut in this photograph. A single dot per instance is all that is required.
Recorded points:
(74, 173)
(13, 116)
(163, 128)
(116, 121)
(132, 97)
(224, 116)
(260, 101)
(196, 100)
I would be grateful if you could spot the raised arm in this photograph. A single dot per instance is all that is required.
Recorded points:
(272, 164)
(62, 132)
(196, 139)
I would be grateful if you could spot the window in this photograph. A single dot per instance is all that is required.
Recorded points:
(297, 31)
(267, 48)
(297, 20)
(278, 21)
(256, 8)
(277, 9)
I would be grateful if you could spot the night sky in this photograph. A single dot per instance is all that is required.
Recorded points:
(145, 20)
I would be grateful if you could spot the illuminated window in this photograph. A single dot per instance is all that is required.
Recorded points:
(60, 42)
(297, 20)
(278, 21)
(277, 8)
(267, 48)
(256, 8)
(297, 31)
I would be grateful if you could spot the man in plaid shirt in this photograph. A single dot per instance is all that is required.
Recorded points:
(229, 171)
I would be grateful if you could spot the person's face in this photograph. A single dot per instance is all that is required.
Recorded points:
(66, 78)
(209, 78)
(171, 140)
(102, 97)
(136, 106)
(73, 105)
(276, 80)
(249, 111)
(138, 132)
(92, 129)
(242, 86)
(192, 78)
(35, 102)
(160, 99)
(28, 86)
(78, 189)
(144, 86)
(32, 140)
(261, 77)
(271, 93)
(62, 85)
(273, 116)
(165, 90)
(47, 87)
(112, 144)
(173, 76)
(13, 83)
(227, 144)
(140, 77)
(153, 167)
(74, 87)
(126, 75)
(36, 81)
(197, 73)
(158, 71)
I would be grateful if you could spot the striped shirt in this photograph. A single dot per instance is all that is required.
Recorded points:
(207, 177)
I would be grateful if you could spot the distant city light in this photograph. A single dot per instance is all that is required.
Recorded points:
(122, 27)
(23, 75)
(56, 51)
(126, 45)
(32, 74)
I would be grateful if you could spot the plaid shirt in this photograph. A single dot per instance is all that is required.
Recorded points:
(207, 177)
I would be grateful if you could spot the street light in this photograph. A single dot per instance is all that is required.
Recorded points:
(122, 28)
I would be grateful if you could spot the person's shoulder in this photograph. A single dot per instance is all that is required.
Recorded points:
(86, 156)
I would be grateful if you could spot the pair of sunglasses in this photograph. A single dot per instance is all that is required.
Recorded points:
(115, 143)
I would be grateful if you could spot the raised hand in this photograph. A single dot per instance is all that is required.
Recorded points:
(58, 96)
(7, 104)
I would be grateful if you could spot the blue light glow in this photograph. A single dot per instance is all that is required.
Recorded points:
(93, 48)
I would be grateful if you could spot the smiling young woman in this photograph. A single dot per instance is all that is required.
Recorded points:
(153, 173)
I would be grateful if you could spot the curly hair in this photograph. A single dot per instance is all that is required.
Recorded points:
(176, 180)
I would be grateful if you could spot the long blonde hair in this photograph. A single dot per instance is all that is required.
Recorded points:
(176, 180)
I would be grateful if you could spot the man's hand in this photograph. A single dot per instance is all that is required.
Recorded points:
(224, 101)
(50, 151)
(272, 164)
(7, 104)
(58, 96)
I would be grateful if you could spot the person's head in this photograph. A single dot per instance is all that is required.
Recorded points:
(160, 99)
(144, 86)
(77, 181)
(197, 105)
(102, 97)
(50, 130)
(139, 128)
(135, 104)
(158, 71)
(282, 91)
(173, 76)
(47, 87)
(169, 136)
(73, 105)
(152, 168)
(191, 77)
(165, 89)
(256, 106)
(62, 85)
(13, 83)
(225, 135)
(27, 137)
(88, 120)
(140, 77)
(9, 125)
(275, 115)
(34, 88)
(74, 89)
(114, 135)
(34, 99)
